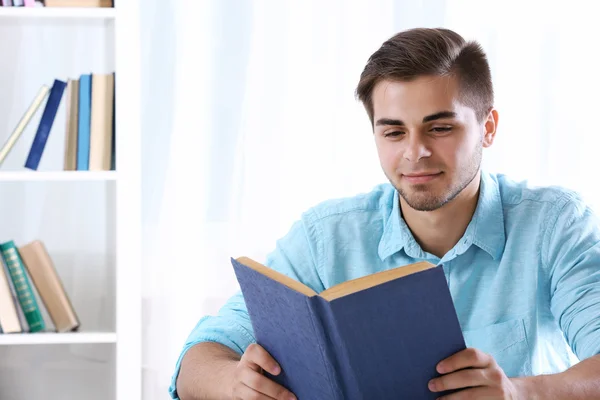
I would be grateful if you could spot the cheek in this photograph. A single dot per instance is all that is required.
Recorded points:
(454, 151)
(468, 147)
(389, 154)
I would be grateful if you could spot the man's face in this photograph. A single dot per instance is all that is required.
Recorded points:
(429, 143)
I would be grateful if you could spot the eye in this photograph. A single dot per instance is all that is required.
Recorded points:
(393, 134)
(441, 129)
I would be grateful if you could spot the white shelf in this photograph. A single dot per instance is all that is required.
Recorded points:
(58, 12)
(50, 176)
(57, 338)
(103, 277)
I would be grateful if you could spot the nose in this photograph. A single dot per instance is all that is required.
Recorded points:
(416, 148)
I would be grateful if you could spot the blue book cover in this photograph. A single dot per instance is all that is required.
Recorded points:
(377, 337)
(85, 109)
(46, 122)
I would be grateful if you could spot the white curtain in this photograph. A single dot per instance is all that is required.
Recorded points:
(250, 118)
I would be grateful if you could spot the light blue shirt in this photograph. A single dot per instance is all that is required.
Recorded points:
(525, 276)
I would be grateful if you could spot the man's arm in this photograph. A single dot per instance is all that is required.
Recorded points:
(581, 381)
(211, 371)
(477, 375)
(293, 256)
(205, 370)
(572, 258)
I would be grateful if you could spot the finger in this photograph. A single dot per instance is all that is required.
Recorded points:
(460, 379)
(264, 385)
(244, 392)
(464, 359)
(259, 356)
(480, 392)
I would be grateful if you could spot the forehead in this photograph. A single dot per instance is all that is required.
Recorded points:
(417, 98)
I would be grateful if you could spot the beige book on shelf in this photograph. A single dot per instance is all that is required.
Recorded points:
(101, 125)
(9, 319)
(49, 286)
(78, 3)
(25, 119)
(70, 162)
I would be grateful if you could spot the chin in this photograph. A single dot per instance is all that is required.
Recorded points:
(423, 197)
(423, 200)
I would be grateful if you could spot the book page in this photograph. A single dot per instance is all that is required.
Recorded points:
(375, 279)
(277, 276)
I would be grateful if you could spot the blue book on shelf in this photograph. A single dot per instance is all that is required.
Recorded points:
(43, 131)
(85, 109)
(378, 337)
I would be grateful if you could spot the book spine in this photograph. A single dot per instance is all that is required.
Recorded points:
(23, 286)
(348, 384)
(41, 269)
(83, 134)
(41, 137)
(13, 293)
(72, 121)
(9, 318)
(101, 122)
(321, 316)
(113, 160)
(35, 105)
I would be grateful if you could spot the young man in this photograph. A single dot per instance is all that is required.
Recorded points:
(522, 264)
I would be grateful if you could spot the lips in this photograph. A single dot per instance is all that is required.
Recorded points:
(421, 177)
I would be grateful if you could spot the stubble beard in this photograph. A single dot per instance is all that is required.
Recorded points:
(421, 198)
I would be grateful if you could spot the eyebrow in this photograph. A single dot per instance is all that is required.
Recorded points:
(429, 118)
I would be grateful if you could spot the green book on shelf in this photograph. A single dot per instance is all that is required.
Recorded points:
(32, 312)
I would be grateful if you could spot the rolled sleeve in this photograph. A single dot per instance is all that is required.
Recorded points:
(573, 257)
(294, 256)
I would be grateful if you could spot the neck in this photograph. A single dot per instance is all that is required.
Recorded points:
(438, 231)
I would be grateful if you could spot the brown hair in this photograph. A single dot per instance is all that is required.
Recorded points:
(426, 51)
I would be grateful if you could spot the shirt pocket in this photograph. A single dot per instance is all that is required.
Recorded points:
(506, 342)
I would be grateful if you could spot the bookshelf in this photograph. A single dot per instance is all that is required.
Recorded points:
(57, 13)
(50, 176)
(89, 221)
(60, 338)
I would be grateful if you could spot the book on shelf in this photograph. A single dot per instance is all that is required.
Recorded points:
(29, 271)
(41, 136)
(22, 283)
(57, 3)
(70, 161)
(379, 336)
(84, 122)
(78, 3)
(10, 321)
(25, 119)
(43, 273)
(89, 127)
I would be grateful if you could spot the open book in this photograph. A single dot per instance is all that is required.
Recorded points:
(375, 337)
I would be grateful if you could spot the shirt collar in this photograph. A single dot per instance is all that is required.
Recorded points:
(486, 229)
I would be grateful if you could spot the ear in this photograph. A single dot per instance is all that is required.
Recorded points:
(489, 128)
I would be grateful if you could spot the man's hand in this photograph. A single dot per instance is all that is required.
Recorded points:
(477, 374)
(250, 383)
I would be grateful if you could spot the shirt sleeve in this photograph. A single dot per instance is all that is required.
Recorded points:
(294, 255)
(573, 259)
